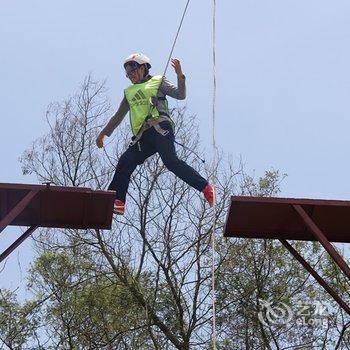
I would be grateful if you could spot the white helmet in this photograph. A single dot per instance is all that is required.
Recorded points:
(139, 58)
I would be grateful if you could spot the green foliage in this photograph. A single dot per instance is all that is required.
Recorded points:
(258, 271)
(95, 307)
(266, 186)
(17, 324)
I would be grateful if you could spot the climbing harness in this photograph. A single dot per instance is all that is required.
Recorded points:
(149, 123)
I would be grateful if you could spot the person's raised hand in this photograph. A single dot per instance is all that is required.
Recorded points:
(176, 64)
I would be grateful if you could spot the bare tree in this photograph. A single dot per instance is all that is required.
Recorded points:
(165, 234)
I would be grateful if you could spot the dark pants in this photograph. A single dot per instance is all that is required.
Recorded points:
(150, 143)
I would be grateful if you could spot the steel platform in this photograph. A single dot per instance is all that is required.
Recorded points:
(53, 207)
(294, 219)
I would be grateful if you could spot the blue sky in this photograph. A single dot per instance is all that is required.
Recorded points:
(283, 80)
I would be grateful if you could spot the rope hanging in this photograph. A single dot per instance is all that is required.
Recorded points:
(213, 242)
(166, 68)
(176, 36)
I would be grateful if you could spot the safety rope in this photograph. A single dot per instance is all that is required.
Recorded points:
(172, 48)
(176, 36)
(190, 150)
(165, 70)
(213, 242)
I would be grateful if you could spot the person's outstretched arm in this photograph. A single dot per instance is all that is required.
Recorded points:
(113, 123)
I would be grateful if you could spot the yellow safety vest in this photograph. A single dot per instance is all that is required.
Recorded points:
(138, 97)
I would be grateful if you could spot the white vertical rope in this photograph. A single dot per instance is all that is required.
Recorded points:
(214, 76)
(213, 242)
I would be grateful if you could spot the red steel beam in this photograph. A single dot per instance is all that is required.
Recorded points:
(18, 241)
(322, 239)
(317, 277)
(20, 206)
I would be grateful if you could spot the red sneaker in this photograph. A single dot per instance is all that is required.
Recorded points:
(209, 194)
(119, 207)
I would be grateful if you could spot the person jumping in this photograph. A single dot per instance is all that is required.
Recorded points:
(152, 128)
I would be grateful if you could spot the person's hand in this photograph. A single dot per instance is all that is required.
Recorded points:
(99, 140)
(177, 67)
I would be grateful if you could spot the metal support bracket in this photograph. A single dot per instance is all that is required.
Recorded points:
(19, 207)
(318, 234)
(7, 220)
(18, 241)
(317, 277)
